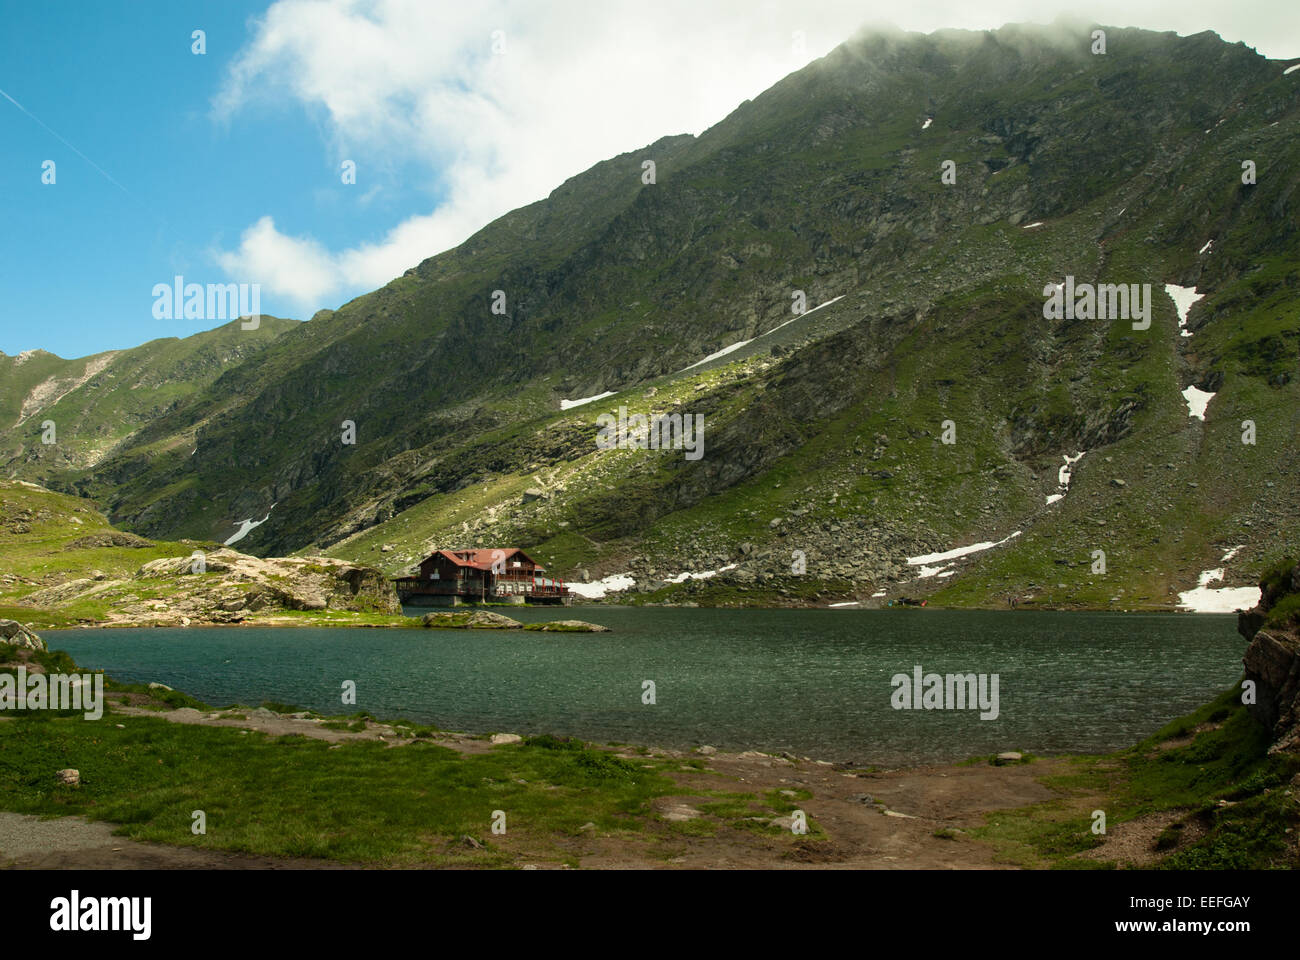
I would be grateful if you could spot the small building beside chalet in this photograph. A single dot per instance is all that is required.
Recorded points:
(448, 578)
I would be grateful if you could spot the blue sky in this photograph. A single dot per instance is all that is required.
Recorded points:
(454, 113)
(121, 84)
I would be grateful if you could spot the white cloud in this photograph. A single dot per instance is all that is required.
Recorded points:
(403, 81)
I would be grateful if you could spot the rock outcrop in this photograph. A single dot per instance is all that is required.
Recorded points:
(1273, 660)
(477, 620)
(224, 586)
(568, 626)
(16, 635)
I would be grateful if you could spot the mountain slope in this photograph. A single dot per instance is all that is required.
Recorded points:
(823, 431)
(98, 402)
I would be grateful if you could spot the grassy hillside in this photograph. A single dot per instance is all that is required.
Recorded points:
(96, 403)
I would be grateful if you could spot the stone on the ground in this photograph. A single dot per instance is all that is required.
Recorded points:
(707, 750)
(159, 686)
(1009, 756)
(68, 777)
(507, 738)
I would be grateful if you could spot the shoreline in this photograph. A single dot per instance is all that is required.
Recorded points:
(277, 622)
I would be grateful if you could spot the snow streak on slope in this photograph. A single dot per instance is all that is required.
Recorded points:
(1063, 477)
(247, 526)
(744, 343)
(570, 404)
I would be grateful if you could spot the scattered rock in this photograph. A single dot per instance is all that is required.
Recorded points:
(1002, 759)
(707, 750)
(68, 777)
(507, 738)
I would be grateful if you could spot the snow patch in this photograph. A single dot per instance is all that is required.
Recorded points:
(877, 595)
(598, 588)
(930, 120)
(1197, 401)
(1184, 298)
(1233, 552)
(570, 404)
(1030, 226)
(247, 526)
(1063, 476)
(1207, 599)
(851, 603)
(1291, 69)
(1206, 248)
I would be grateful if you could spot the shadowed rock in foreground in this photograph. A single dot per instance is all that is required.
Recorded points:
(1273, 658)
(16, 635)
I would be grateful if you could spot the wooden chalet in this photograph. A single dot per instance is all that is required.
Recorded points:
(448, 578)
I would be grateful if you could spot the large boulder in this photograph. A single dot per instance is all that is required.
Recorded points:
(17, 635)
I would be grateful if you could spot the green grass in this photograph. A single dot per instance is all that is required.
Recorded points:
(295, 797)
(1223, 780)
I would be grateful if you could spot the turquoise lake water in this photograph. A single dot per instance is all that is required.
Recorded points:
(814, 682)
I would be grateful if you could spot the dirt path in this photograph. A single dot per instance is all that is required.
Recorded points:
(885, 820)
(32, 843)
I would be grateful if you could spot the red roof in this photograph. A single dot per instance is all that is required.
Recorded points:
(482, 559)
